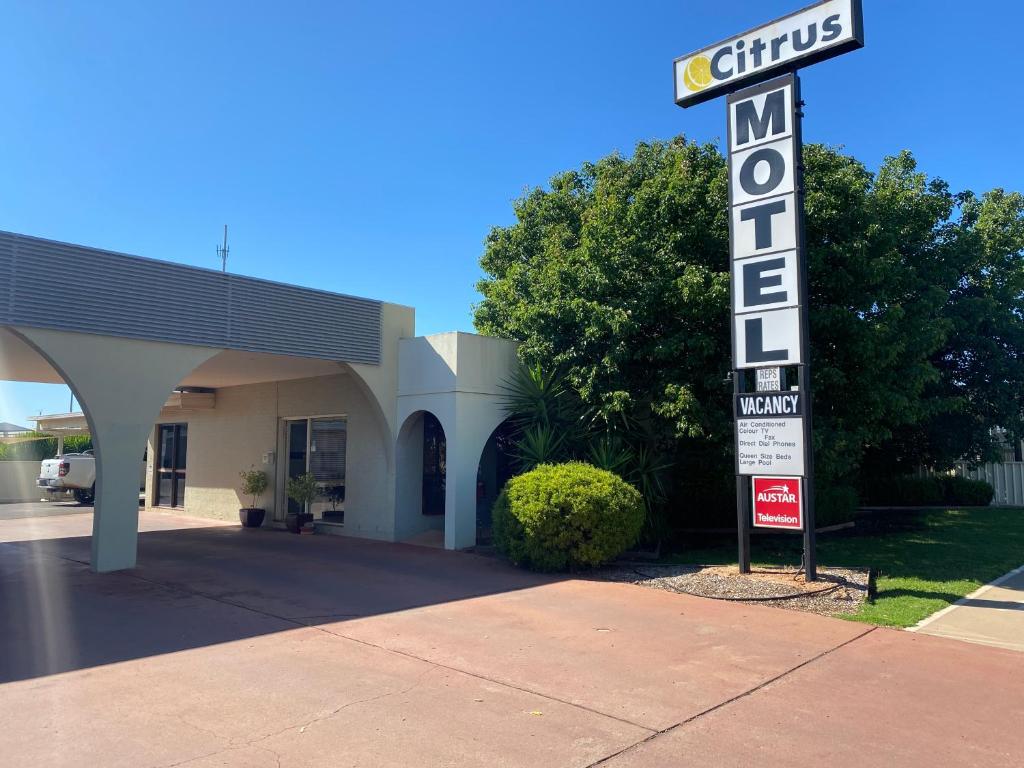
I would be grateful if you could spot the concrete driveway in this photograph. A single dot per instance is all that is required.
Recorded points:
(231, 647)
(20, 510)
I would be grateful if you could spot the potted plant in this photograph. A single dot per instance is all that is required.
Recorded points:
(254, 485)
(335, 495)
(303, 490)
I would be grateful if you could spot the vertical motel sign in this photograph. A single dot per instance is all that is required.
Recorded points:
(774, 461)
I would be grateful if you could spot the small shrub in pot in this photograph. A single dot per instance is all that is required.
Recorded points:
(303, 490)
(254, 485)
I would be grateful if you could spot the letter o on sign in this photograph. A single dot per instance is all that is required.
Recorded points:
(776, 163)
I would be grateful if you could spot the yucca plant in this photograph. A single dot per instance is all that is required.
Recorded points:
(533, 396)
(646, 473)
(539, 444)
(546, 415)
(610, 454)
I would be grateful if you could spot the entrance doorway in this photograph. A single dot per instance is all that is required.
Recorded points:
(318, 445)
(171, 460)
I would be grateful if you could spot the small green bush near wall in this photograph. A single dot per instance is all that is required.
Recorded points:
(966, 492)
(566, 516)
(834, 504)
(43, 447)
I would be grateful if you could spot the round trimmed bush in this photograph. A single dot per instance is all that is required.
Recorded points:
(566, 516)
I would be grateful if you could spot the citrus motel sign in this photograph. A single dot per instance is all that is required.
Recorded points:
(774, 461)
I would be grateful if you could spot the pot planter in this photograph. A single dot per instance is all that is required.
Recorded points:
(294, 522)
(251, 517)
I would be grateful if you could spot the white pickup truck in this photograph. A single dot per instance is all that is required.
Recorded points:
(75, 472)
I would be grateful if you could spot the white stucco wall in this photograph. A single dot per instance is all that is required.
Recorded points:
(458, 377)
(18, 481)
(247, 423)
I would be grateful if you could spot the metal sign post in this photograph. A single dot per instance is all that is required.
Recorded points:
(774, 450)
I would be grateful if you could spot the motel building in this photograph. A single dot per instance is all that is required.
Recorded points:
(203, 374)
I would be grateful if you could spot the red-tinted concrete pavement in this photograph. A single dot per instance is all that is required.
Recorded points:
(253, 648)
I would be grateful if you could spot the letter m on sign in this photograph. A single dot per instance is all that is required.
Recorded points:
(760, 117)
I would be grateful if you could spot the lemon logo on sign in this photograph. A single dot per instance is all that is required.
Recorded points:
(697, 75)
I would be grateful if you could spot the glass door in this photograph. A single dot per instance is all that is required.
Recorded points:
(172, 455)
(318, 445)
(328, 442)
(298, 456)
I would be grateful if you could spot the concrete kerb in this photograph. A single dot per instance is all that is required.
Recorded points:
(966, 599)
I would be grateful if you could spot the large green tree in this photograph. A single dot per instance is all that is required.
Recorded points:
(618, 272)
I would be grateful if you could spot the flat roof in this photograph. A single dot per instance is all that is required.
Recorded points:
(71, 287)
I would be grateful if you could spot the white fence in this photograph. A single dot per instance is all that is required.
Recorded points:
(1007, 478)
(18, 481)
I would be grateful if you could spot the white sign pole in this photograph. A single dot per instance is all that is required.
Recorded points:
(766, 241)
(768, 286)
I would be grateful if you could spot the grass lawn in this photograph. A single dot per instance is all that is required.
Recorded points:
(925, 560)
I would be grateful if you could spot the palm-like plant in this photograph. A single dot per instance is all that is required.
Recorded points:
(533, 396)
(646, 473)
(609, 453)
(539, 444)
(545, 413)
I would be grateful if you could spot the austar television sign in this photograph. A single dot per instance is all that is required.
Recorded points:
(778, 503)
(815, 33)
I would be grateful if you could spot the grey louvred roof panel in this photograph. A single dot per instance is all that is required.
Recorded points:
(47, 284)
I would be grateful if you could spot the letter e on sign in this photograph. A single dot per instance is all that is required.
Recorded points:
(778, 502)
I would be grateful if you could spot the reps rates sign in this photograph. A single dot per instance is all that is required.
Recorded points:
(777, 503)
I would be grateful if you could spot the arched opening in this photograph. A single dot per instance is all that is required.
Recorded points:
(120, 400)
(435, 449)
(60, 434)
(496, 466)
(422, 458)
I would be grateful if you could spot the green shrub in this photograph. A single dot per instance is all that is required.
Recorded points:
(931, 491)
(963, 491)
(566, 516)
(254, 485)
(303, 489)
(834, 504)
(43, 447)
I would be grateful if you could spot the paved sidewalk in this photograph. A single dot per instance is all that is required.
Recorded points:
(992, 615)
(260, 649)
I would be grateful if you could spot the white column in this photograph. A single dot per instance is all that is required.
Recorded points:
(476, 417)
(60, 445)
(460, 497)
(121, 385)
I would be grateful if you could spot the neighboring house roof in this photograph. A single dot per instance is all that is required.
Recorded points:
(7, 428)
(61, 423)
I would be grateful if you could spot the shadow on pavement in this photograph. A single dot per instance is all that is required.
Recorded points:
(203, 586)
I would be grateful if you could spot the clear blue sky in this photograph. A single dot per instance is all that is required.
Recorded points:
(367, 148)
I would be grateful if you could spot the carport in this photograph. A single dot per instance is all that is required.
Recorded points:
(237, 360)
(143, 328)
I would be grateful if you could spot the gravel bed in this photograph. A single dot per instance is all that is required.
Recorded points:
(837, 591)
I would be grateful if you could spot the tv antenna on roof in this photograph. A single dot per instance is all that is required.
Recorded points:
(222, 251)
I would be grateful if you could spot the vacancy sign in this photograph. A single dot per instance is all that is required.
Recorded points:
(815, 33)
(778, 503)
(763, 154)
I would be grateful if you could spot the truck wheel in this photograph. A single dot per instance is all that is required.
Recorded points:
(85, 495)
